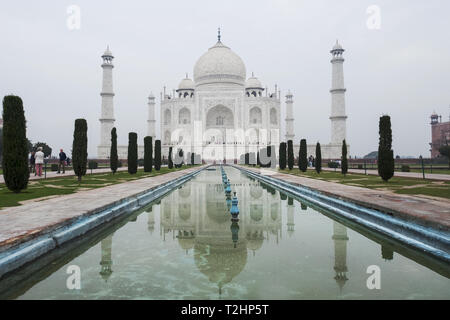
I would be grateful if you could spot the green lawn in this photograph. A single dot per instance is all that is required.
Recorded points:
(412, 186)
(66, 185)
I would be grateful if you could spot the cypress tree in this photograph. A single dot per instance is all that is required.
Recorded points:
(192, 158)
(157, 155)
(282, 156)
(344, 161)
(113, 157)
(318, 158)
(170, 163)
(302, 156)
(132, 153)
(385, 153)
(79, 148)
(148, 154)
(290, 150)
(15, 146)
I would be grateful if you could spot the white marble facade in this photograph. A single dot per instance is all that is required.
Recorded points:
(222, 114)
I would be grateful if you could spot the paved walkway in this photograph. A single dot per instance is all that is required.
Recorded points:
(18, 224)
(53, 174)
(431, 176)
(424, 211)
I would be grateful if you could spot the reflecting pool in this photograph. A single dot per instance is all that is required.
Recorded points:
(184, 246)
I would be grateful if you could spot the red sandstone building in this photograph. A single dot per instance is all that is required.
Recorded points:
(440, 134)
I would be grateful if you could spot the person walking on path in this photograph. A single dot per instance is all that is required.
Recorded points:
(39, 160)
(32, 163)
(62, 161)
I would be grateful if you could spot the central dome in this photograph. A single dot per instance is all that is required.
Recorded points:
(218, 65)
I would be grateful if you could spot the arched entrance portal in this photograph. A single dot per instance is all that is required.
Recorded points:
(218, 120)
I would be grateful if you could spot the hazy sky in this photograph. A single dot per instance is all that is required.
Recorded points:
(401, 69)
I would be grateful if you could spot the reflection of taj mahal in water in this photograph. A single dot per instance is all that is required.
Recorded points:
(220, 248)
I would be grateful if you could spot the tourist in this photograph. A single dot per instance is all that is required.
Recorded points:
(32, 163)
(62, 161)
(39, 161)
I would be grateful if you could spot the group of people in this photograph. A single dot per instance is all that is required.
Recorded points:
(37, 159)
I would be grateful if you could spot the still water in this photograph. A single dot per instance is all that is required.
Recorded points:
(184, 246)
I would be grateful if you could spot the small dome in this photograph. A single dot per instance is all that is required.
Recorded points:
(219, 64)
(151, 96)
(186, 84)
(253, 83)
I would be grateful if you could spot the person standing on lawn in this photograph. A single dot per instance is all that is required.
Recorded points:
(39, 160)
(62, 161)
(32, 163)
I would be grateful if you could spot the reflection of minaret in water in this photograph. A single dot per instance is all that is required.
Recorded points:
(151, 221)
(106, 261)
(340, 253)
(290, 216)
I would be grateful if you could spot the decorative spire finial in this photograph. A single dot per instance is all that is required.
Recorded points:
(218, 34)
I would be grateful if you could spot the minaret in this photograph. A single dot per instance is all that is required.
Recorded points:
(107, 115)
(338, 117)
(151, 122)
(289, 117)
(340, 253)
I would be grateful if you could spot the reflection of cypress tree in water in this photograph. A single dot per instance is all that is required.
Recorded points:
(151, 220)
(303, 206)
(283, 196)
(290, 201)
(340, 253)
(387, 253)
(290, 218)
(106, 261)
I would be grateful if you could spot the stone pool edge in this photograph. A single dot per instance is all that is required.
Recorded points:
(427, 239)
(16, 256)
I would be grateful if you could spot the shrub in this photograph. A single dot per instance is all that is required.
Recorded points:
(344, 160)
(333, 164)
(385, 153)
(15, 147)
(132, 153)
(302, 156)
(405, 168)
(318, 161)
(170, 161)
(113, 157)
(79, 148)
(148, 154)
(290, 151)
(157, 155)
(141, 162)
(360, 166)
(92, 165)
(54, 167)
(282, 156)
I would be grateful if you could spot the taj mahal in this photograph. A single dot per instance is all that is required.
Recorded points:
(220, 113)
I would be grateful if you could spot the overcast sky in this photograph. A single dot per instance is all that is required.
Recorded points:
(401, 69)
